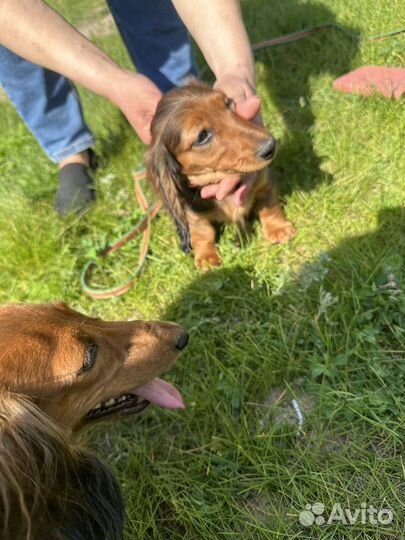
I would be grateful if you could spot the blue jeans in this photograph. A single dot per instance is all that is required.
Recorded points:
(158, 44)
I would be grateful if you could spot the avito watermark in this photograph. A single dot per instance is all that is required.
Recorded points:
(316, 514)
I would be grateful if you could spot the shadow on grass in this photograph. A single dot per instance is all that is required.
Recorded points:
(280, 330)
(226, 462)
(335, 332)
(287, 73)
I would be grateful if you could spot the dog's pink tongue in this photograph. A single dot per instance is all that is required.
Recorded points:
(228, 187)
(221, 189)
(240, 195)
(162, 393)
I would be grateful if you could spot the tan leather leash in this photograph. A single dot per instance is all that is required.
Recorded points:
(141, 228)
(306, 32)
(301, 34)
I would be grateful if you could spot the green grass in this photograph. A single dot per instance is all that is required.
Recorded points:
(321, 320)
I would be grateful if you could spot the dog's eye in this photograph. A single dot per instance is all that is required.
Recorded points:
(204, 137)
(230, 104)
(90, 356)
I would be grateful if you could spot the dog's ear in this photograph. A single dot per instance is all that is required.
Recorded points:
(165, 170)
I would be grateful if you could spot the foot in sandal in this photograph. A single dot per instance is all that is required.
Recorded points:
(76, 184)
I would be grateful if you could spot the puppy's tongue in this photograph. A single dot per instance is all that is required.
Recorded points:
(221, 189)
(228, 187)
(240, 195)
(162, 393)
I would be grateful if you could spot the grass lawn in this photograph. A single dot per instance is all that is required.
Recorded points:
(320, 321)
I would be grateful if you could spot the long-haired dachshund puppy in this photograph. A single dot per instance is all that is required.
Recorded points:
(61, 371)
(197, 139)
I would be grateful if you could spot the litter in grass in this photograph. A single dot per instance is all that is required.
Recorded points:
(300, 416)
(281, 408)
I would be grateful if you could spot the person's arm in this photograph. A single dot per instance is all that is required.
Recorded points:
(33, 30)
(218, 29)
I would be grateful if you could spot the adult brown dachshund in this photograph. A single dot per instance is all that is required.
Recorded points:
(61, 371)
(197, 139)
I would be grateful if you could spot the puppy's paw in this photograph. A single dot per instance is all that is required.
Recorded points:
(205, 261)
(280, 234)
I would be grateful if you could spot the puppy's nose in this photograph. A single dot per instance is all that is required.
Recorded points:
(267, 149)
(182, 341)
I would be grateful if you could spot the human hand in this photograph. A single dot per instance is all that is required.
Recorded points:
(242, 91)
(237, 87)
(137, 97)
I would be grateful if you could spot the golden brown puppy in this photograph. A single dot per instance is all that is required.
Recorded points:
(60, 371)
(197, 139)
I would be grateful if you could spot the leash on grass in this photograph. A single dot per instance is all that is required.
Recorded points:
(141, 228)
(306, 32)
(310, 31)
(150, 212)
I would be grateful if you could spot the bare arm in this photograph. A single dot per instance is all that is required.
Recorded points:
(33, 30)
(218, 28)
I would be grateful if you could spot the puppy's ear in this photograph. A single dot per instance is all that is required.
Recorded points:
(165, 169)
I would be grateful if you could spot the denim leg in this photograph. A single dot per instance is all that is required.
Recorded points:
(48, 104)
(156, 39)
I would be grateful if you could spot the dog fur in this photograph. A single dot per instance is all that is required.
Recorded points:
(179, 165)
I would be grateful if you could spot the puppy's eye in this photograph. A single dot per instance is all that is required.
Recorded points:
(90, 356)
(230, 104)
(204, 137)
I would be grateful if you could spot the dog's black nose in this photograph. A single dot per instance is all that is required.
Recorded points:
(182, 341)
(267, 149)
